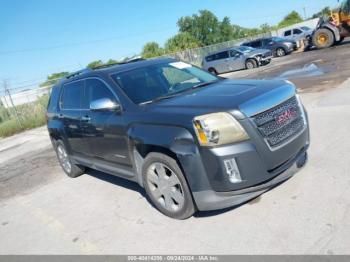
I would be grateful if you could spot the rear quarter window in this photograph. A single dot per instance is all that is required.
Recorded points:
(209, 58)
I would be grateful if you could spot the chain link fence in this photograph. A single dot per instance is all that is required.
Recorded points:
(22, 110)
(195, 56)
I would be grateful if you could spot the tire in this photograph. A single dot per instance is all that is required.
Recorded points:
(65, 161)
(212, 71)
(251, 63)
(166, 186)
(280, 52)
(323, 38)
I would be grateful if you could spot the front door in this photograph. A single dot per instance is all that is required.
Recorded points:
(104, 130)
(237, 61)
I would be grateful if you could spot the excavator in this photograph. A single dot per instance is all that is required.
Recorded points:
(334, 29)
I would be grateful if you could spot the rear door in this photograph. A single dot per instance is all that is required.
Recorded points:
(71, 112)
(105, 130)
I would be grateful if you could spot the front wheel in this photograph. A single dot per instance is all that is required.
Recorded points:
(166, 186)
(280, 52)
(323, 38)
(251, 63)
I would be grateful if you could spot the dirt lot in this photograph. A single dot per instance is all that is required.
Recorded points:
(44, 212)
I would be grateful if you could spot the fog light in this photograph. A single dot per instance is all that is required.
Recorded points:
(232, 170)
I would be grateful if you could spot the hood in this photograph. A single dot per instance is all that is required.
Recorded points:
(247, 96)
(258, 51)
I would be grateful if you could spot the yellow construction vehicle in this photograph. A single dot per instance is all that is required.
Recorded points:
(334, 29)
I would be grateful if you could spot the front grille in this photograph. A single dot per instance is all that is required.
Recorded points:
(281, 122)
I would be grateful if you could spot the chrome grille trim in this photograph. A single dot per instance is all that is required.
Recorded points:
(278, 134)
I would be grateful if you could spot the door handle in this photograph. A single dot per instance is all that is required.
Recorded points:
(85, 118)
(60, 116)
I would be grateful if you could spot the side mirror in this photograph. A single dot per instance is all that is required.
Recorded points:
(238, 55)
(104, 104)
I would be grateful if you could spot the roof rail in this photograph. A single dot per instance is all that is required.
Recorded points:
(85, 70)
(131, 60)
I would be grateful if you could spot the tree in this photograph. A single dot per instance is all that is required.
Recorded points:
(324, 12)
(290, 19)
(111, 61)
(204, 27)
(53, 78)
(265, 28)
(95, 64)
(180, 42)
(152, 49)
(226, 30)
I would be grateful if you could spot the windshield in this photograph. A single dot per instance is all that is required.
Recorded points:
(245, 49)
(146, 84)
(305, 28)
(278, 39)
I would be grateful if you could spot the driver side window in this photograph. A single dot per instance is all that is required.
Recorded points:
(95, 89)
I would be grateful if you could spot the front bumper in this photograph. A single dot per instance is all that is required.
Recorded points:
(212, 200)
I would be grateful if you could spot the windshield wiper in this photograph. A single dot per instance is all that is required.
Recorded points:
(158, 99)
(204, 84)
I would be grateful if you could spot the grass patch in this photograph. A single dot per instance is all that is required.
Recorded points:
(31, 115)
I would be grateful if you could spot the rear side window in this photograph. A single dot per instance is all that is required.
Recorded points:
(54, 97)
(297, 31)
(255, 44)
(95, 90)
(72, 95)
(221, 55)
(288, 33)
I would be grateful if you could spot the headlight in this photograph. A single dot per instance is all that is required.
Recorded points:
(218, 129)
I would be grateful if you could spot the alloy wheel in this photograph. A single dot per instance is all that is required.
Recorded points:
(64, 159)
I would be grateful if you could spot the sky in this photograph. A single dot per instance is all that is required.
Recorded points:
(40, 37)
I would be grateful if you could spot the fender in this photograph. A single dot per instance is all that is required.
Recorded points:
(333, 29)
(176, 139)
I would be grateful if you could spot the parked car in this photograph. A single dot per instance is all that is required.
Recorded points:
(279, 46)
(298, 33)
(236, 58)
(192, 140)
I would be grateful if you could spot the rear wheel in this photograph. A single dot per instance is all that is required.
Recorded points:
(251, 63)
(166, 186)
(323, 38)
(213, 71)
(71, 169)
(280, 52)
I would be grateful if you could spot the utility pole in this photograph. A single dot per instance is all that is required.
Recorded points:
(5, 100)
(305, 16)
(7, 92)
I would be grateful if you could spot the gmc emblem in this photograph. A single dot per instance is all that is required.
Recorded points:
(285, 116)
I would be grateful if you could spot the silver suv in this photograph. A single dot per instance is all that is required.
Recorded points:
(236, 58)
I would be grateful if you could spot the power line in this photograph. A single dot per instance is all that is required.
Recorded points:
(80, 43)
